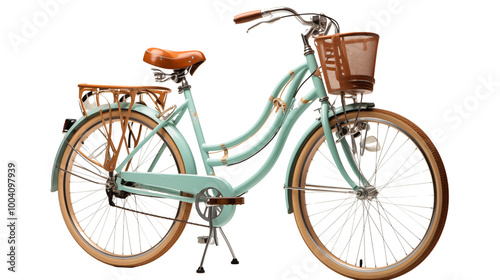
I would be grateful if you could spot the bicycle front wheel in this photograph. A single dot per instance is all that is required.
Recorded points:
(389, 225)
(116, 227)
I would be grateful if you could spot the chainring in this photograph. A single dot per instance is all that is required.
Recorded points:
(201, 206)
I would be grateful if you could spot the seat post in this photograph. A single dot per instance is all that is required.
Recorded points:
(184, 85)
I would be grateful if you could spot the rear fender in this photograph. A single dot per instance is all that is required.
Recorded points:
(180, 141)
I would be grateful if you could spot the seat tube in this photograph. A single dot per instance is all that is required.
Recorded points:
(186, 88)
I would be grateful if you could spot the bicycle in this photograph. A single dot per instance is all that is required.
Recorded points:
(127, 180)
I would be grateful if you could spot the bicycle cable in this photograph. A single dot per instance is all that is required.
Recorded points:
(332, 20)
(158, 216)
(303, 82)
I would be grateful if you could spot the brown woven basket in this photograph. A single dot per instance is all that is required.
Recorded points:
(348, 61)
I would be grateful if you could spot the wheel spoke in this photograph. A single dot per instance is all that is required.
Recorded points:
(377, 226)
(122, 231)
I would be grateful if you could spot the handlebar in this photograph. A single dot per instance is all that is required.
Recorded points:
(318, 25)
(253, 15)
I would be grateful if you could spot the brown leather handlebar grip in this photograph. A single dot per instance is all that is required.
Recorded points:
(247, 16)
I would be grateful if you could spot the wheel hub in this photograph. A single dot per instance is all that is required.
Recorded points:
(367, 193)
(112, 189)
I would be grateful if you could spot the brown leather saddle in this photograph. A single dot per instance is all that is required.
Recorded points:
(168, 59)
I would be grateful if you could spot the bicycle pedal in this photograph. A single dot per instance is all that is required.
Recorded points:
(204, 240)
(215, 201)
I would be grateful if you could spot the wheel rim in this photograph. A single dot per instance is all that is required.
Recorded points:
(369, 231)
(109, 232)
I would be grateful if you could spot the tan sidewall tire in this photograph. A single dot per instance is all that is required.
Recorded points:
(68, 215)
(441, 206)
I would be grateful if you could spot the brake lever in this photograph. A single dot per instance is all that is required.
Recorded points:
(273, 20)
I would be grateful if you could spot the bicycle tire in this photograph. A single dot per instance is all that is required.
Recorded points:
(371, 252)
(101, 229)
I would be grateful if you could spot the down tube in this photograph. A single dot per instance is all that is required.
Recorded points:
(290, 120)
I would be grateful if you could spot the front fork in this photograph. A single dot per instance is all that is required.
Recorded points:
(325, 122)
(325, 109)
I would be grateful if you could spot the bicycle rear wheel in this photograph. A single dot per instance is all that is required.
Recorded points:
(115, 227)
(387, 228)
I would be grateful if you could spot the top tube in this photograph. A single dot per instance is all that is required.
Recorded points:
(294, 78)
(263, 116)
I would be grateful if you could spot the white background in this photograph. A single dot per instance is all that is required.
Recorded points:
(437, 65)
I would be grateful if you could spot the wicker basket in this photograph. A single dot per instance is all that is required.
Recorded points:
(348, 61)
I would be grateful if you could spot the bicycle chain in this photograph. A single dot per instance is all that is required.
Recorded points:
(161, 217)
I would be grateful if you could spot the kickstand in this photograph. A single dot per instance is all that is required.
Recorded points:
(235, 260)
(213, 234)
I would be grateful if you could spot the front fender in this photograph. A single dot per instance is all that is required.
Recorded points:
(298, 149)
(182, 145)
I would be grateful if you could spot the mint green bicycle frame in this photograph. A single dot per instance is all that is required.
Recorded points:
(175, 185)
